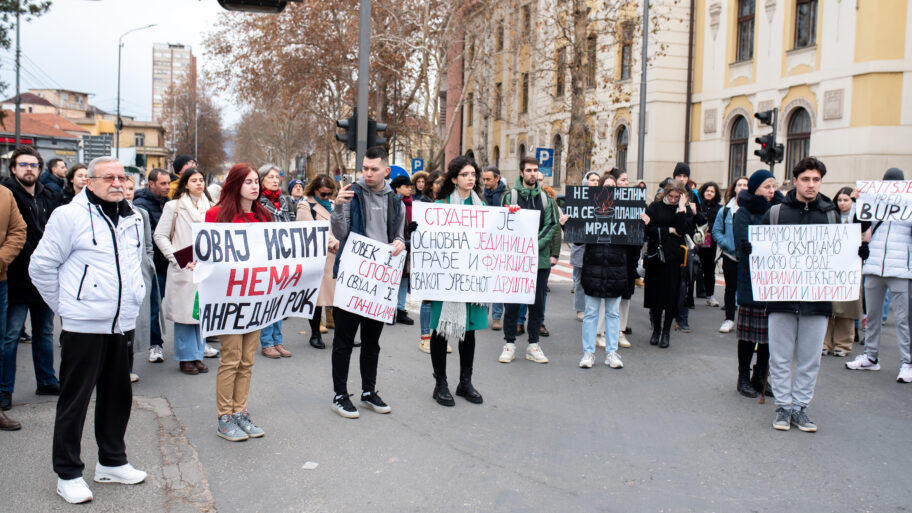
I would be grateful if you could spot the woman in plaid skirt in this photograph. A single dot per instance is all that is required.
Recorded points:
(761, 194)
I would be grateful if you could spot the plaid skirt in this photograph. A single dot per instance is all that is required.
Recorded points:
(753, 325)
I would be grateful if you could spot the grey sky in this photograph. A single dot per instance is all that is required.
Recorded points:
(74, 46)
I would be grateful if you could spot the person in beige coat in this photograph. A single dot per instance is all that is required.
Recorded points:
(174, 233)
(316, 206)
(12, 239)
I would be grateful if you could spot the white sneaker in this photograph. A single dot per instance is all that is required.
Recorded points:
(600, 340)
(905, 373)
(711, 301)
(534, 353)
(622, 340)
(614, 361)
(74, 491)
(587, 361)
(727, 326)
(579, 316)
(156, 355)
(210, 352)
(134, 377)
(508, 354)
(862, 362)
(824, 352)
(124, 474)
(840, 353)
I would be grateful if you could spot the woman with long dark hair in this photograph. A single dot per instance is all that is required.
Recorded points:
(457, 321)
(317, 206)
(668, 220)
(708, 207)
(238, 203)
(723, 235)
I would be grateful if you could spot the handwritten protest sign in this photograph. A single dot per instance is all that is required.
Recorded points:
(810, 262)
(467, 253)
(368, 280)
(605, 215)
(884, 200)
(252, 275)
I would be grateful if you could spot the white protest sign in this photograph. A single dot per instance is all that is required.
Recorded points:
(884, 200)
(805, 262)
(465, 253)
(251, 275)
(368, 280)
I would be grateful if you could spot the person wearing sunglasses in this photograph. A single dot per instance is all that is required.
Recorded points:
(316, 205)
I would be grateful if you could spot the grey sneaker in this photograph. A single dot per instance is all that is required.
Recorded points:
(782, 420)
(801, 420)
(242, 418)
(229, 430)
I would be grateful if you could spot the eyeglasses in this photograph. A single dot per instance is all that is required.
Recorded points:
(110, 178)
(324, 195)
(33, 165)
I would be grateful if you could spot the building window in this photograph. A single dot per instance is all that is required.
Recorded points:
(139, 139)
(805, 23)
(621, 146)
(626, 57)
(745, 30)
(498, 101)
(522, 151)
(524, 101)
(737, 149)
(526, 20)
(591, 58)
(799, 138)
(560, 80)
(470, 103)
(556, 163)
(500, 37)
(496, 155)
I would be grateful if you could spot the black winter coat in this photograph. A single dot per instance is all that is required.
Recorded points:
(794, 211)
(751, 212)
(661, 218)
(35, 210)
(147, 201)
(604, 270)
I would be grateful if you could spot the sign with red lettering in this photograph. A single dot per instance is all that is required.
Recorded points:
(884, 200)
(251, 275)
(805, 262)
(472, 254)
(368, 280)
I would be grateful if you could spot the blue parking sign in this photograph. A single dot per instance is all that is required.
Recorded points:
(545, 157)
(417, 165)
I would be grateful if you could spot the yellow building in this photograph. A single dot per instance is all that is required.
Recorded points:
(143, 138)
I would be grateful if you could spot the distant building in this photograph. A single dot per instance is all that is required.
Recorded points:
(52, 135)
(29, 102)
(171, 63)
(69, 104)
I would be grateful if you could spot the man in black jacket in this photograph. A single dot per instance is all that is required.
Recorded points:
(35, 204)
(152, 199)
(54, 177)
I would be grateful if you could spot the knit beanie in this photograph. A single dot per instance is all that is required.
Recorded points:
(180, 161)
(894, 173)
(681, 169)
(757, 179)
(294, 182)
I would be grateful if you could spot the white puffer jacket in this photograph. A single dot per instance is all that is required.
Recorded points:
(90, 271)
(891, 251)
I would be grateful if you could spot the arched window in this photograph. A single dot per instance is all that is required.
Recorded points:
(799, 139)
(522, 151)
(621, 147)
(737, 149)
(496, 160)
(558, 149)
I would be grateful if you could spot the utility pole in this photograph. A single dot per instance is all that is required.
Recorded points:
(118, 124)
(641, 129)
(363, 66)
(18, 98)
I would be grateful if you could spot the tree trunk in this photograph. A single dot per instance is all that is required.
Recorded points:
(578, 141)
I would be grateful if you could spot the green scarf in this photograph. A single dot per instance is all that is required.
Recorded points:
(525, 192)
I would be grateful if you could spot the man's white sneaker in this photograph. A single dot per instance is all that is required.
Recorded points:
(711, 301)
(534, 353)
(614, 361)
(210, 352)
(124, 474)
(727, 326)
(905, 373)
(622, 340)
(156, 355)
(587, 361)
(862, 362)
(74, 491)
(600, 340)
(508, 354)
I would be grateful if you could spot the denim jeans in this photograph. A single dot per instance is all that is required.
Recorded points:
(188, 344)
(579, 299)
(591, 321)
(271, 335)
(42, 344)
(158, 285)
(4, 306)
(424, 318)
(403, 292)
(496, 311)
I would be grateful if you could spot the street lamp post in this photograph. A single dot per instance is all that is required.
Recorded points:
(118, 124)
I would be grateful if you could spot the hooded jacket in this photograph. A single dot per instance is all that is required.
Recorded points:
(378, 215)
(604, 272)
(492, 197)
(549, 233)
(35, 210)
(751, 209)
(891, 250)
(52, 182)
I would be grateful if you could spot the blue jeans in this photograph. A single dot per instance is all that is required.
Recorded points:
(579, 297)
(424, 318)
(188, 344)
(42, 344)
(271, 335)
(496, 311)
(403, 292)
(158, 285)
(683, 315)
(591, 321)
(4, 306)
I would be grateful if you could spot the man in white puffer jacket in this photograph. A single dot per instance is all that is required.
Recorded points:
(88, 269)
(888, 266)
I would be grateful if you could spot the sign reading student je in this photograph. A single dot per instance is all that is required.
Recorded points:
(368, 280)
(472, 254)
(605, 215)
(252, 275)
(884, 200)
(809, 262)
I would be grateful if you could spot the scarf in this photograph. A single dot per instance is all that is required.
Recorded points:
(525, 192)
(407, 201)
(196, 212)
(273, 196)
(453, 316)
(325, 203)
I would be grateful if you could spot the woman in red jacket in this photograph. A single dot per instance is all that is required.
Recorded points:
(238, 203)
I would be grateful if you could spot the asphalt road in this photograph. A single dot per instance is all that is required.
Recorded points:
(667, 433)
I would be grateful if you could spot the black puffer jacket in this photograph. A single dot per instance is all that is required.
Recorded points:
(604, 270)
(36, 210)
(794, 211)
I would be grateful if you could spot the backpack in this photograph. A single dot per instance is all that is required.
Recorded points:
(832, 216)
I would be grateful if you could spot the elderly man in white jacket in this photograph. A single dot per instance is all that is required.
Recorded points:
(88, 269)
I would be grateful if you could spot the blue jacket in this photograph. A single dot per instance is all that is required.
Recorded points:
(493, 197)
(724, 220)
(51, 182)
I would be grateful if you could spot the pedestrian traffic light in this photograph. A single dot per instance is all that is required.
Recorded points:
(350, 125)
(372, 138)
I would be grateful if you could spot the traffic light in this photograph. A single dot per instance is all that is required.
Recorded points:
(140, 160)
(372, 138)
(350, 125)
(770, 152)
(268, 6)
(766, 142)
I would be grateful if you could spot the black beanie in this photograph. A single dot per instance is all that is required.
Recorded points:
(399, 181)
(894, 173)
(180, 161)
(681, 169)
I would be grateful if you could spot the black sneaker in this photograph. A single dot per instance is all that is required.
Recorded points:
(52, 389)
(6, 400)
(373, 401)
(801, 420)
(403, 318)
(343, 406)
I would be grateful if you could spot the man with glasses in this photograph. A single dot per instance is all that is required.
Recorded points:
(35, 204)
(88, 267)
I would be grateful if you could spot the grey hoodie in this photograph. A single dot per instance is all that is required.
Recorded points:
(375, 220)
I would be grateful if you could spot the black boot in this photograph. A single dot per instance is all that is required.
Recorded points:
(442, 392)
(656, 317)
(744, 386)
(403, 318)
(465, 388)
(745, 355)
(757, 378)
(666, 330)
(316, 340)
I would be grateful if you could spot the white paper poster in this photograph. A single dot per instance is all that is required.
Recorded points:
(884, 200)
(368, 280)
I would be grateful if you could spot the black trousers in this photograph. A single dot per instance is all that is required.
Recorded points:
(315, 321)
(466, 354)
(730, 271)
(344, 339)
(536, 311)
(708, 265)
(92, 361)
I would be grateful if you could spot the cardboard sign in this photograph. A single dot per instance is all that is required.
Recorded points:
(605, 215)
(368, 280)
(884, 200)
(251, 275)
(809, 262)
(466, 253)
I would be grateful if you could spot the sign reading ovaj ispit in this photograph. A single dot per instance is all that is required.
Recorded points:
(252, 275)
